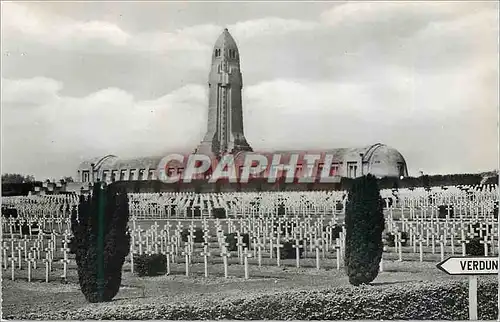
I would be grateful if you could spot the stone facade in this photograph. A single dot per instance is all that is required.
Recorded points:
(225, 112)
(225, 135)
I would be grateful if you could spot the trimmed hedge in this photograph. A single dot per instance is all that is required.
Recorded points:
(365, 223)
(261, 184)
(150, 265)
(193, 212)
(443, 211)
(219, 213)
(391, 238)
(197, 234)
(447, 300)
(336, 230)
(115, 241)
(474, 247)
(232, 240)
(8, 212)
(288, 251)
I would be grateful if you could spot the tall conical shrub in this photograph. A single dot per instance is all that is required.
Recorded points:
(101, 241)
(364, 222)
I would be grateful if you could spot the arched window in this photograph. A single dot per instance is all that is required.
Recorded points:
(217, 52)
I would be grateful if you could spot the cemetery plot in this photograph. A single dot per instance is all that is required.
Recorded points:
(289, 238)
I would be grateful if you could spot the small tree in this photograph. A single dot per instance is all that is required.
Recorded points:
(16, 178)
(101, 241)
(364, 223)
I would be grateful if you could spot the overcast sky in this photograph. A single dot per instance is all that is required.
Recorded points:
(85, 79)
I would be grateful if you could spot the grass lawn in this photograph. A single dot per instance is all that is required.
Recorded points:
(22, 299)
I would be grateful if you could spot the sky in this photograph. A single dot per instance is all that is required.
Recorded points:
(85, 79)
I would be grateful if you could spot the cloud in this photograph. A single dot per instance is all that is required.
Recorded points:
(380, 16)
(421, 77)
(198, 40)
(57, 30)
(432, 130)
(107, 121)
(73, 34)
(270, 26)
(407, 111)
(34, 91)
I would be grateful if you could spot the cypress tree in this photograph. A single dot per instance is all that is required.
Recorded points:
(364, 221)
(100, 241)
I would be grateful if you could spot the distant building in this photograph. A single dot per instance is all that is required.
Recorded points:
(225, 135)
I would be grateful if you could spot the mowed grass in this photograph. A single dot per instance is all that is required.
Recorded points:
(22, 298)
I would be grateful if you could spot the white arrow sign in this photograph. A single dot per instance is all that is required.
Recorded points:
(470, 265)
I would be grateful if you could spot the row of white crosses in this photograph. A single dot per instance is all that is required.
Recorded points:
(148, 206)
(446, 234)
(262, 239)
(303, 203)
(152, 205)
(43, 248)
(34, 207)
(268, 202)
(473, 204)
(423, 225)
(13, 226)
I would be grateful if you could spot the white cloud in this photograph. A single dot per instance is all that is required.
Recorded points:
(34, 91)
(73, 34)
(57, 30)
(279, 114)
(108, 121)
(199, 39)
(376, 14)
(270, 26)
(421, 77)
(432, 119)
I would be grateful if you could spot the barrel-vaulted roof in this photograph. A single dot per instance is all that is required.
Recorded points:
(115, 163)
(338, 154)
(370, 153)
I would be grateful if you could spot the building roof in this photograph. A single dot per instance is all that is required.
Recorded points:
(338, 154)
(111, 162)
(378, 151)
(226, 41)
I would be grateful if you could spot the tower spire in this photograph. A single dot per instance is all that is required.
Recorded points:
(225, 112)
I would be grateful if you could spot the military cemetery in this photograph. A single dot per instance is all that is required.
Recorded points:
(225, 231)
(260, 236)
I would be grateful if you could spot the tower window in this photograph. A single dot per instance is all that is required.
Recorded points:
(217, 52)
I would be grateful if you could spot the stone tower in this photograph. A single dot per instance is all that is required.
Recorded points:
(225, 113)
